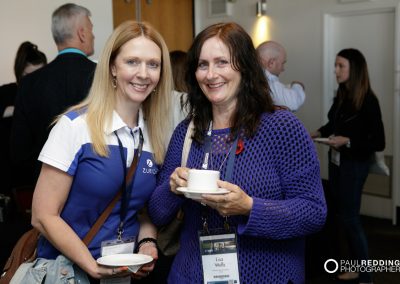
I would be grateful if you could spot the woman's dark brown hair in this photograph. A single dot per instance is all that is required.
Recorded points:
(358, 84)
(27, 53)
(179, 63)
(253, 94)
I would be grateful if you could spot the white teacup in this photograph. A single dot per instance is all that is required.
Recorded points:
(203, 180)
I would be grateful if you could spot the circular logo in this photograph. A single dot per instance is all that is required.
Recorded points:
(149, 163)
(331, 270)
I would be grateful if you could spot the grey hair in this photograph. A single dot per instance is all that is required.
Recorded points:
(64, 19)
(270, 49)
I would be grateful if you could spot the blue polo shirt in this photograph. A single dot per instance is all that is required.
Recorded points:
(96, 180)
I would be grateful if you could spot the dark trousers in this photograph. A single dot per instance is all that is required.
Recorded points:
(346, 184)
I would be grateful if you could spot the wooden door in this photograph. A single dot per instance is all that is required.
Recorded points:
(172, 18)
(123, 10)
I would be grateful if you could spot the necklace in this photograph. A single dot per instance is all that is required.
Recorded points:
(223, 161)
(208, 154)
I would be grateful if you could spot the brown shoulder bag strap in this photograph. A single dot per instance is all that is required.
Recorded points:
(100, 221)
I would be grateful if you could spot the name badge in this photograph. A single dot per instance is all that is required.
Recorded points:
(117, 246)
(335, 157)
(219, 258)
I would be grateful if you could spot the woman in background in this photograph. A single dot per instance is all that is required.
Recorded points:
(179, 69)
(28, 59)
(179, 66)
(355, 131)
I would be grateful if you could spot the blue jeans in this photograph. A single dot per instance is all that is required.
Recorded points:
(346, 185)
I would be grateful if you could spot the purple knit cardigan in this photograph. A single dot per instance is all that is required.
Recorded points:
(279, 169)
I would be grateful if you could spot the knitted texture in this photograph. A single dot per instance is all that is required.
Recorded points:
(279, 168)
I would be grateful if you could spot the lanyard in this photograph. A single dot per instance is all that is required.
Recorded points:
(228, 173)
(125, 188)
(230, 155)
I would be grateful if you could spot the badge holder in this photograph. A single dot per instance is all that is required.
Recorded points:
(218, 247)
(219, 257)
(118, 246)
(127, 244)
(335, 157)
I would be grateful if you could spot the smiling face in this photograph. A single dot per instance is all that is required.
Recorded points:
(215, 75)
(137, 69)
(342, 69)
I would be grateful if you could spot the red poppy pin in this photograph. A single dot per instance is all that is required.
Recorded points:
(240, 147)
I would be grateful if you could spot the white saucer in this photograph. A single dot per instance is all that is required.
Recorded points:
(321, 140)
(132, 261)
(196, 194)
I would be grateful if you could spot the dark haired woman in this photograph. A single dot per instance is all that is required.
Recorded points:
(268, 167)
(355, 131)
(27, 60)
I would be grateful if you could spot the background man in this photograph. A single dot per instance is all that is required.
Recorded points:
(273, 59)
(46, 93)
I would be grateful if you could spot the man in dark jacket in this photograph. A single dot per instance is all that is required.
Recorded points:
(48, 92)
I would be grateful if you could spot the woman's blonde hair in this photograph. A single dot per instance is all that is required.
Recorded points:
(100, 103)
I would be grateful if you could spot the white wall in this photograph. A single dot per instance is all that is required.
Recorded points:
(22, 20)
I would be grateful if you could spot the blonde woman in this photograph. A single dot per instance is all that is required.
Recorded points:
(125, 114)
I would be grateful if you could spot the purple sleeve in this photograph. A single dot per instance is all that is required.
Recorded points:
(301, 210)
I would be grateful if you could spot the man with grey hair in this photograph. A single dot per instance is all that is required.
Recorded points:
(273, 59)
(71, 27)
(46, 93)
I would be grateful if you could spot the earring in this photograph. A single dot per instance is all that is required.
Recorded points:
(154, 91)
(114, 82)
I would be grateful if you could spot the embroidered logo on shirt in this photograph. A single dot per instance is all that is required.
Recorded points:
(150, 169)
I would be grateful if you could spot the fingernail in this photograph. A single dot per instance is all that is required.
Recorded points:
(124, 268)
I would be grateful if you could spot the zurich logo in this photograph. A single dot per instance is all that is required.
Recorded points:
(149, 163)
